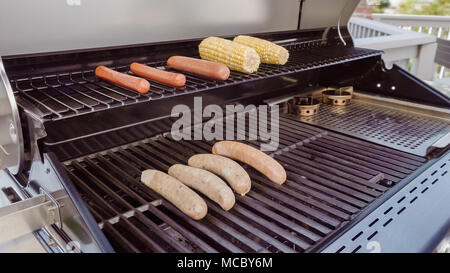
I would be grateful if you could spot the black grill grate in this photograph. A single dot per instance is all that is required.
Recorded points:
(59, 96)
(328, 184)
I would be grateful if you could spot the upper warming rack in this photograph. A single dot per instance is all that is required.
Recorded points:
(57, 96)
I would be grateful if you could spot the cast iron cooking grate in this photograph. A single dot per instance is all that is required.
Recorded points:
(401, 130)
(59, 96)
(326, 187)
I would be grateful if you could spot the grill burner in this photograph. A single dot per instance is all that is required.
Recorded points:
(303, 106)
(326, 187)
(337, 96)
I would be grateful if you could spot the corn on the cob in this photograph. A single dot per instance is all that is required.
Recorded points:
(234, 55)
(269, 52)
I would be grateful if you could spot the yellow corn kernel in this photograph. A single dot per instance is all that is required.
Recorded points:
(269, 52)
(234, 55)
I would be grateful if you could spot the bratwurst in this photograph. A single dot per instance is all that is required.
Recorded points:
(175, 192)
(253, 157)
(205, 182)
(233, 173)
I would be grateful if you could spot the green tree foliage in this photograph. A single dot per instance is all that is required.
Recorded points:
(379, 8)
(436, 7)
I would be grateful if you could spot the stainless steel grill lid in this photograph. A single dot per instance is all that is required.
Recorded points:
(44, 26)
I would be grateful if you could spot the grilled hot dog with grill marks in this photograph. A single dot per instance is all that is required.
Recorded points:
(169, 78)
(134, 83)
(204, 68)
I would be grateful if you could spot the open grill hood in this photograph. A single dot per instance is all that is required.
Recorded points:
(47, 26)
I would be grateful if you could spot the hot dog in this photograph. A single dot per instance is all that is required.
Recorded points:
(204, 68)
(233, 173)
(134, 83)
(176, 192)
(205, 182)
(253, 157)
(174, 79)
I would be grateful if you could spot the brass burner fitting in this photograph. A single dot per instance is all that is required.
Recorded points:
(303, 106)
(337, 96)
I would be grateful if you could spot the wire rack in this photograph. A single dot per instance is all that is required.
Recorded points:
(59, 96)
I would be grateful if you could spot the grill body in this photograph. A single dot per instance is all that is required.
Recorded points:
(91, 140)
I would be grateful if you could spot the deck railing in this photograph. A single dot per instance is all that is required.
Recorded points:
(410, 50)
(430, 24)
(438, 26)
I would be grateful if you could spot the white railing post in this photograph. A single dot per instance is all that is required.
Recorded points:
(425, 61)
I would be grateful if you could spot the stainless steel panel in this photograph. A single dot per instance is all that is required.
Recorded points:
(24, 244)
(29, 215)
(406, 222)
(326, 13)
(45, 175)
(394, 126)
(28, 26)
(11, 139)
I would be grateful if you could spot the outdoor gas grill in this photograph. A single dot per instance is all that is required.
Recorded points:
(372, 175)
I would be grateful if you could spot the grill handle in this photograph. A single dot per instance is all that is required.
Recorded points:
(442, 142)
(31, 214)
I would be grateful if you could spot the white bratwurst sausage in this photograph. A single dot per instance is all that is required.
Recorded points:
(205, 182)
(231, 171)
(185, 199)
